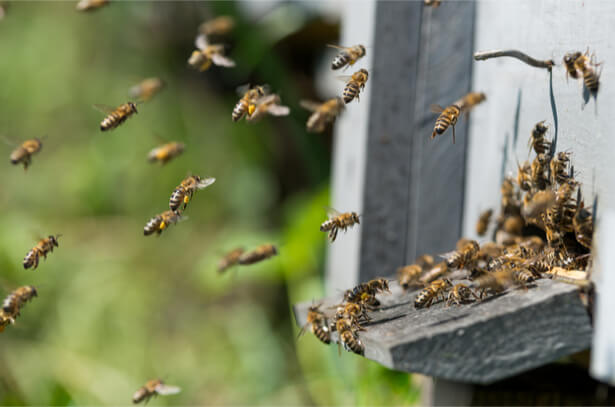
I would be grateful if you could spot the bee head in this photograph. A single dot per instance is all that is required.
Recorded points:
(34, 292)
(54, 240)
(364, 72)
(355, 217)
(362, 48)
(133, 107)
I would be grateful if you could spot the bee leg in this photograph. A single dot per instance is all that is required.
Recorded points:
(453, 126)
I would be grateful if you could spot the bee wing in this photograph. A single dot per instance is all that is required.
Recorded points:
(103, 108)
(165, 390)
(436, 108)
(303, 329)
(221, 60)
(332, 212)
(206, 182)
(343, 78)
(241, 90)
(278, 110)
(336, 46)
(309, 105)
(448, 255)
(201, 42)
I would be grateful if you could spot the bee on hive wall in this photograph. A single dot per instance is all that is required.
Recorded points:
(43, 247)
(338, 221)
(166, 152)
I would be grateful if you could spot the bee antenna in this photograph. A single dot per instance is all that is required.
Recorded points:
(594, 209)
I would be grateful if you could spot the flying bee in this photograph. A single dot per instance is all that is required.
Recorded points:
(166, 152)
(354, 85)
(348, 56)
(464, 257)
(562, 212)
(318, 323)
(558, 167)
(206, 54)
(23, 154)
(586, 65)
(569, 60)
(338, 221)
(261, 253)
(183, 192)
(409, 275)
(160, 222)
(434, 273)
(247, 103)
(153, 388)
(524, 176)
(460, 294)
(448, 118)
(221, 25)
(116, 116)
(583, 223)
(146, 89)
(537, 141)
(230, 259)
(89, 5)
(378, 285)
(323, 113)
(469, 101)
(537, 204)
(483, 222)
(269, 104)
(43, 247)
(432, 292)
(15, 301)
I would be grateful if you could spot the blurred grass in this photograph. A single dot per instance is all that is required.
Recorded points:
(116, 308)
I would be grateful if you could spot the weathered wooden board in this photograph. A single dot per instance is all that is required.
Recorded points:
(475, 343)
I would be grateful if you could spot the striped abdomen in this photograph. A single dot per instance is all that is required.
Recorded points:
(31, 258)
(117, 117)
(340, 60)
(177, 199)
(327, 225)
(425, 297)
(152, 226)
(590, 78)
(322, 333)
(240, 110)
(351, 343)
(447, 118)
(350, 92)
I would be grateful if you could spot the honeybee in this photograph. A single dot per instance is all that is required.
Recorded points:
(269, 104)
(23, 154)
(583, 223)
(558, 164)
(43, 247)
(261, 253)
(347, 56)
(538, 171)
(524, 176)
(569, 60)
(408, 275)
(354, 85)
(4, 321)
(146, 89)
(510, 199)
(460, 294)
(463, 257)
(537, 138)
(448, 117)
(496, 281)
(318, 323)
(351, 342)
(14, 302)
(323, 113)
(89, 5)
(221, 25)
(184, 191)
(230, 259)
(523, 276)
(247, 103)
(433, 3)
(537, 203)
(116, 116)
(434, 273)
(206, 54)
(432, 292)
(365, 293)
(483, 222)
(160, 222)
(586, 65)
(352, 311)
(152, 388)
(338, 221)
(166, 152)
(469, 101)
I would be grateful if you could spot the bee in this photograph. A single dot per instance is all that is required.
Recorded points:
(425, 261)
(348, 56)
(160, 222)
(184, 191)
(536, 204)
(583, 223)
(569, 60)
(365, 293)
(538, 171)
(587, 67)
(146, 89)
(261, 253)
(469, 101)
(318, 323)
(221, 25)
(247, 103)
(432, 292)
(496, 281)
(463, 257)
(448, 117)
(23, 154)
(323, 113)
(483, 222)
(433, 3)
(558, 164)
(338, 221)
(43, 247)
(434, 273)
(351, 342)
(460, 294)
(354, 85)
(206, 54)
(537, 138)
(353, 312)
(524, 176)
(562, 212)
(523, 276)
(116, 116)
(230, 259)
(166, 152)
(269, 104)
(152, 388)
(408, 275)
(89, 5)
(15, 301)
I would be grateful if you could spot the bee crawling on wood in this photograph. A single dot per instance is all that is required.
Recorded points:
(338, 221)
(318, 324)
(355, 312)
(433, 292)
(365, 293)
(460, 294)
(408, 276)
(349, 336)
(494, 282)
(448, 118)
(153, 388)
(43, 247)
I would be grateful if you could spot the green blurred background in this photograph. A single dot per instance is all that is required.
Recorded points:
(116, 308)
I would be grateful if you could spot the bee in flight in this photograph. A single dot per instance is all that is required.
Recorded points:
(569, 60)
(448, 118)
(318, 324)
(354, 85)
(146, 89)
(14, 302)
(338, 221)
(465, 255)
(469, 101)
(259, 254)
(184, 191)
(586, 65)
(269, 104)
(89, 5)
(230, 259)
(218, 26)
(483, 222)
(409, 275)
(43, 247)
(116, 116)
(348, 56)
(23, 154)
(323, 113)
(160, 222)
(247, 103)
(206, 54)
(153, 388)
(166, 152)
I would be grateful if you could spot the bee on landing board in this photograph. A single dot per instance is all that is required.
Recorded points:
(483, 222)
(23, 154)
(207, 54)
(221, 25)
(43, 247)
(464, 257)
(338, 221)
(269, 104)
(247, 103)
(166, 152)
(184, 191)
(230, 259)
(448, 118)
(318, 324)
(153, 388)
(259, 254)
(160, 222)
(408, 276)
(460, 294)
(146, 89)
(348, 56)
(432, 292)
(354, 85)
(116, 116)
(13, 303)
(323, 113)
(89, 5)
